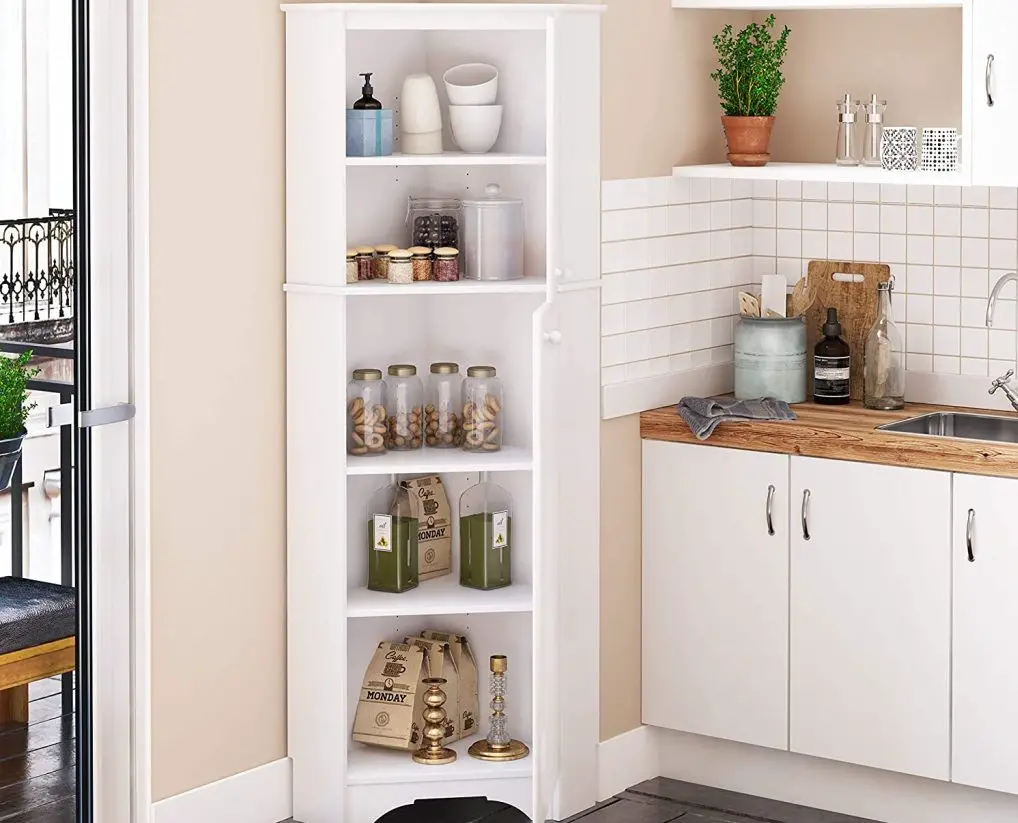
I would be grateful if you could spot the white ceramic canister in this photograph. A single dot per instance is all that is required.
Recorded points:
(491, 237)
(770, 358)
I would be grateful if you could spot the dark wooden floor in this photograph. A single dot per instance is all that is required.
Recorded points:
(37, 781)
(662, 801)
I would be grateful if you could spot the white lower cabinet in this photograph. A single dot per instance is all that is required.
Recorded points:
(715, 592)
(871, 615)
(985, 697)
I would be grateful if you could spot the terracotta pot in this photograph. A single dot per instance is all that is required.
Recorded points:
(748, 140)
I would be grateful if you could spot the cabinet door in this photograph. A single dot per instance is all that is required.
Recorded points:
(715, 592)
(995, 79)
(871, 615)
(985, 687)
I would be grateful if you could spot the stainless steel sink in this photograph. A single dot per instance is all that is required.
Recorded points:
(958, 425)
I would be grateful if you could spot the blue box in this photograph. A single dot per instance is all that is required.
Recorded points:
(368, 132)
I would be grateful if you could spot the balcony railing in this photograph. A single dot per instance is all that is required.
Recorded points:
(37, 278)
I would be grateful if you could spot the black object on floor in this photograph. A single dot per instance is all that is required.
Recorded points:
(455, 810)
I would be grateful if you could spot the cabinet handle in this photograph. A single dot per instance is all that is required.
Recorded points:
(770, 510)
(805, 514)
(968, 535)
(989, 78)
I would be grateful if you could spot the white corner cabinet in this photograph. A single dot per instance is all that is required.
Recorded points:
(988, 117)
(542, 334)
(849, 611)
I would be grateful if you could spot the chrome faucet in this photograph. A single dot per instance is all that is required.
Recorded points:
(1004, 382)
(998, 287)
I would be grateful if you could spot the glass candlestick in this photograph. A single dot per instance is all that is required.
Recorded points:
(498, 745)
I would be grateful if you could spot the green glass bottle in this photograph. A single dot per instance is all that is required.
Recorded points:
(392, 540)
(486, 516)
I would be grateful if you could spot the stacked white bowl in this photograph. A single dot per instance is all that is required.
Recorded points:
(473, 115)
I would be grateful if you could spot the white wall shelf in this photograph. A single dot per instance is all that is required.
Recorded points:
(376, 767)
(442, 596)
(824, 172)
(451, 158)
(380, 288)
(436, 461)
(820, 5)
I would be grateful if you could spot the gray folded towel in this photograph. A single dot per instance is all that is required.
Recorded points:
(705, 414)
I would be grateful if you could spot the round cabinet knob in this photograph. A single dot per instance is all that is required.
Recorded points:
(553, 337)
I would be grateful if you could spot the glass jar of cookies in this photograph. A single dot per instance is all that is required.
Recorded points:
(365, 413)
(442, 414)
(405, 404)
(482, 410)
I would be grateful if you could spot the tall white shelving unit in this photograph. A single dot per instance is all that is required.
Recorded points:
(543, 335)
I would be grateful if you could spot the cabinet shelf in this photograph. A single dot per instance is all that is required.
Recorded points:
(451, 158)
(828, 172)
(442, 596)
(509, 459)
(528, 285)
(374, 766)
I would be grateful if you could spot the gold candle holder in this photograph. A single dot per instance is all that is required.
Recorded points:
(498, 746)
(432, 752)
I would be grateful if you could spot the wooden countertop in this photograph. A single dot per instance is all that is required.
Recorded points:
(848, 433)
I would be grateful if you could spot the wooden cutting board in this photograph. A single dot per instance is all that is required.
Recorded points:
(851, 288)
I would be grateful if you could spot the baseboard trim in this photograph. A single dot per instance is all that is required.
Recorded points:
(626, 760)
(260, 795)
(871, 794)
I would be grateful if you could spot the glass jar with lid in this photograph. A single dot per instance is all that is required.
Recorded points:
(405, 394)
(434, 221)
(382, 261)
(400, 268)
(447, 265)
(365, 407)
(486, 516)
(482, 410)
(351, 265)
(392, 540)
(365, 262)
(422, 263)
(442, 414)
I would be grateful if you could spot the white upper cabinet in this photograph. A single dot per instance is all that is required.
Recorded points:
(994, 73)
(985, 661)
(870, 615)
(715, 592)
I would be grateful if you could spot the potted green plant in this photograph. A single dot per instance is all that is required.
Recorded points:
(749, 81)
(14, 410)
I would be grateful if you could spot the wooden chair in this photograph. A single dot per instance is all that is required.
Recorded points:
(37, 628)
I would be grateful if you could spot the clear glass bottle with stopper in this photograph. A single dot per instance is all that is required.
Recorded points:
(874, 110)
(884, 369)
(848, 136)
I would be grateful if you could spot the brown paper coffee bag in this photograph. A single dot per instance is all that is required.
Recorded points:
(466, 668)
(392, 697)
(434, 536)
(440, 663)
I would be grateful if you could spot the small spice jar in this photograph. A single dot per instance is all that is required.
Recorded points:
(441, 415)
(447, 265)
(486, 516)
(365, 263)
(351, 265)
(405, 394)
(421, 262)
(382, 261)
(365, 406)
(392, 541)
(400, 268)
(482, 410)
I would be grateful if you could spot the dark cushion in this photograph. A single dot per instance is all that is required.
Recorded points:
(33, 613)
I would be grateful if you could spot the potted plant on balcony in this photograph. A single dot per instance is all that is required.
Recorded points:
(749, 81)
(14, 410)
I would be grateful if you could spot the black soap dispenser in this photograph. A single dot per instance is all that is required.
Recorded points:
(832, 365)
(367, 101)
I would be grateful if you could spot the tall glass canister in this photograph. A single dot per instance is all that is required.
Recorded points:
(405, 404)
(884, 369)
(392, 540)
(442, 414)
(486, 516)
(482, 410)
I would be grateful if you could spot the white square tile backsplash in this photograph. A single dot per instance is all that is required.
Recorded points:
(677, 251)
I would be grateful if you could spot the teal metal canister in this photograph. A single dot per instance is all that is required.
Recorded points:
(770, 358)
